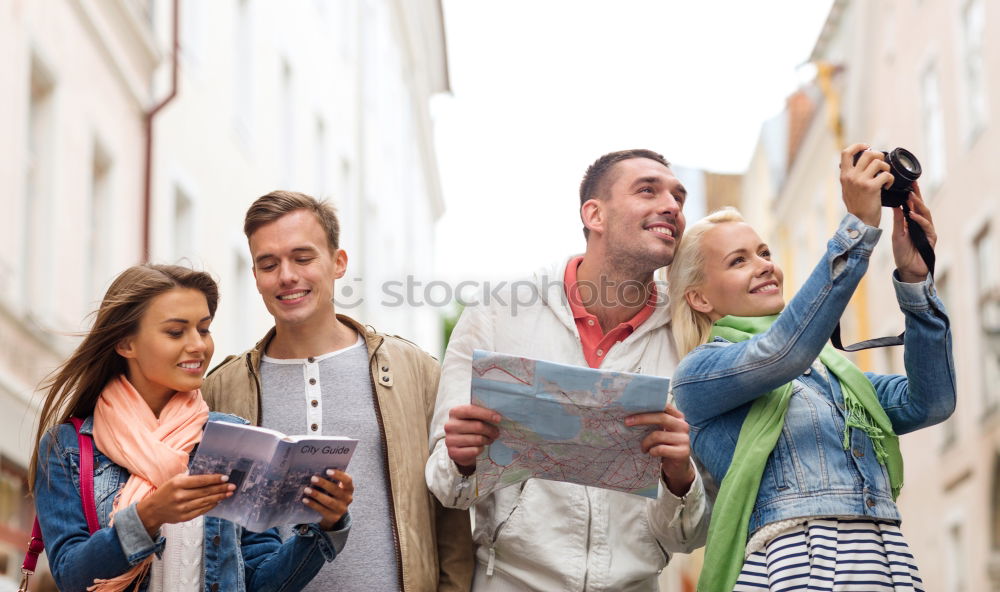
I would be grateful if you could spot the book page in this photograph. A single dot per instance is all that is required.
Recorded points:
(244, 453)
(302, 457)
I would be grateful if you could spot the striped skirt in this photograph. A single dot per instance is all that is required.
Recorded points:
(833, 555)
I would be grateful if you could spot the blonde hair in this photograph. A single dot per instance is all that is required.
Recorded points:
(690, 327)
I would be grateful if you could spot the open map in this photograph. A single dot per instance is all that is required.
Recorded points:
(566, 423)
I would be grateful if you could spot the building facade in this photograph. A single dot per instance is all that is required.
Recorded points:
(921, 75)
(327, 98)
(924, 76)
(76, 79)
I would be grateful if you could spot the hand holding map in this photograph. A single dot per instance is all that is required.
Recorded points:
(671, 443)
(468, 431)
(566, 423)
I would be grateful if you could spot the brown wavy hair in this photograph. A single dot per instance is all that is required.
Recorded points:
(268, 208)
(74, 387)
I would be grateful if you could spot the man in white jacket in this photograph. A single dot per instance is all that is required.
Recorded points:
(601, 310)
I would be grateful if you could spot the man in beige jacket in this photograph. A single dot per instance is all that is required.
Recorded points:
(317, 372)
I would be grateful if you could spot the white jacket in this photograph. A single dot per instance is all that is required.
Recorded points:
(548, 535)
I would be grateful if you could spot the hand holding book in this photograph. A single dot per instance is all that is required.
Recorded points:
(330, 496)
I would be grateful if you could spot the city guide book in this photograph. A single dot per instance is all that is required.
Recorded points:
(269, 469)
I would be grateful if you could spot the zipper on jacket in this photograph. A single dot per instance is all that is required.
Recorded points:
(586, 557)
(385, 456)
(462, 486)
(256, 381)
(496, 531)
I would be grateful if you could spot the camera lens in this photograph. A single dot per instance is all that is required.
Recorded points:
(904, 164)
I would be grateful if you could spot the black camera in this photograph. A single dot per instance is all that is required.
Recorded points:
(905, 169)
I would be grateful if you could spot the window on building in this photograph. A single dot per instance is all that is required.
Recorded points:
(16, 510)
(320, 152)
(184, 221)
(244, 67)
(994, 556)
(99, 237)
(286, 119)
(957, 578)
(973, 69)
(932, 117)
(36, 244)
(949, 429)
(243, 290)
(988, 308)
(192, 31)
(144, 10)
(347, 27)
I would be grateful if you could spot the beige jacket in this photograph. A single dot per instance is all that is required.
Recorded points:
(405, 381)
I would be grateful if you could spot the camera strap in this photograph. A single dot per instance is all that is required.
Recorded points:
(919, 239)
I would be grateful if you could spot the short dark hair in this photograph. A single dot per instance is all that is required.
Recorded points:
(268, 208)
(597, 179)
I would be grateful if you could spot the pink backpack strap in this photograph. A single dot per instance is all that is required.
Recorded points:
(36, 545)
(87, 475)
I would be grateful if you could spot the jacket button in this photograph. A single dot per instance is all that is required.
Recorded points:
(314, 427)
(385, 368)
(216, 540)
(870, 502)
(853, 233)
(312, 381)
(314, 402)
(385, 379)
(858, 452)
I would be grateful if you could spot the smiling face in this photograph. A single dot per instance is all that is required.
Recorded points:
(172, 347)
(640, 220)
(740, 278)
(295, 269)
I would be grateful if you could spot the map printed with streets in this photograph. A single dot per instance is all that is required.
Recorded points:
(565, 423)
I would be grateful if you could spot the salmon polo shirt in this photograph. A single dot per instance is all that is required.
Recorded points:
(596, 343)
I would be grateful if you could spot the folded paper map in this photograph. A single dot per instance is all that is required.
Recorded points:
(566, 423)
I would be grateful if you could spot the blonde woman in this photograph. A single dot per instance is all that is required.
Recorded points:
(803, 443)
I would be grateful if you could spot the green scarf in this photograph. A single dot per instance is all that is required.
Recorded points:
(727, 533)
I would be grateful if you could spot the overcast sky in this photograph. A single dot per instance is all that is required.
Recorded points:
(541, 88)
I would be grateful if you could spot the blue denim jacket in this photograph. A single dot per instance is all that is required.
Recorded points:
(234, 558)
(809, 473)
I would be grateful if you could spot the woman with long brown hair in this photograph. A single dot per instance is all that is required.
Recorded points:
(134, 380)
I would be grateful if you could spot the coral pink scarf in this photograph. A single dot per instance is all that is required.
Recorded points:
(152, 449)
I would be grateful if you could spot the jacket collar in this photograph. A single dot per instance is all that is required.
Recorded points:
(549, 284)
(373, 339)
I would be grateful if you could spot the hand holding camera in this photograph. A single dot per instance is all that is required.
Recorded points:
(895, 173)
(863, 175)
(910, 262)
(892, 177)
